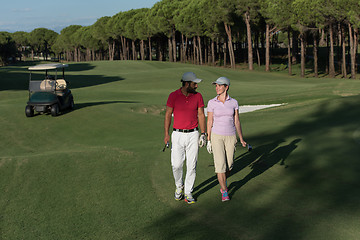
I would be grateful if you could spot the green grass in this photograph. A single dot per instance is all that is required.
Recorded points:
(98, 172)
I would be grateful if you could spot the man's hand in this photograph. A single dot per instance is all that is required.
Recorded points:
(209, 147)
(166, 138)
(202, 140)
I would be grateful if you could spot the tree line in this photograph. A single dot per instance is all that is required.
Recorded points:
(212, 32)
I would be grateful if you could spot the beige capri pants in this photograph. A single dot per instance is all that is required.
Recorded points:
(223, 151)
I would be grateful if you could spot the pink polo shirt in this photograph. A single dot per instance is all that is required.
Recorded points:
(185, 109)
(223, 116)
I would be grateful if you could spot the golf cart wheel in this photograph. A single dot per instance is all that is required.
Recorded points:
(72, 104)
(54, 110)
(29, 111)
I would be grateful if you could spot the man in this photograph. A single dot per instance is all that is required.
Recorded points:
(187, 106)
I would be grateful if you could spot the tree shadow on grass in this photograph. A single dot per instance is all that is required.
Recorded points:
(78, 67)
(91, 104)
(270, 155)
(81, 81)
(321, 187)
(17, 77)
(84, 105)
(259, 159)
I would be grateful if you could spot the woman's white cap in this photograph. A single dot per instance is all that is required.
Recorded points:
(222, 81)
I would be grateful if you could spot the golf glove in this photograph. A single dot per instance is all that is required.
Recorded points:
(209, 147)
(202, 140)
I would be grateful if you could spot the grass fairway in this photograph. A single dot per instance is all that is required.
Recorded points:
(98, 172)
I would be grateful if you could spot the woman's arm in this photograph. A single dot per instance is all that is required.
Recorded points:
(238, 128)
(210, 121)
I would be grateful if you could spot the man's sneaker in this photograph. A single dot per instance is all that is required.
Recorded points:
(189, 199)
(224, 195)
(179, 194)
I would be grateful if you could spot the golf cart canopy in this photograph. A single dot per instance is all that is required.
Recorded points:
(50, 66)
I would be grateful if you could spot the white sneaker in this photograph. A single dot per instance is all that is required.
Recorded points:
(179, 194)
(189, 199)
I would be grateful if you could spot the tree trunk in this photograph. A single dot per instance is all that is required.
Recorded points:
(127, 44)
(150, 49)
(289, 53)
(121, 52)
(123, 47)
(267, 50)
(213, 52)
(111, 46)
(109, 50)
(159, 51)
(113, 50)
(294, 47)
(339, 50)
(316, 71)
(206, 51)
(79, 55)
(343, 65)
(88, 55)
(331, 55)
(174, 44)
(322, 42)
(250, 50)
(76, 55)
(225, 53)
(170, 50)
(186, 49)
(200, 50)
(142, 50)
(356, 34)
(302, 41)
(353, 43)
(230, 46)
(133, 50)
(194, 57)
(182, 49)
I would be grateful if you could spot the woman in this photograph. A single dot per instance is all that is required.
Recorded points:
(222, 125)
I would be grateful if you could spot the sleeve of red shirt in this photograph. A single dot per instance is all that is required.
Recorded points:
(170, 101)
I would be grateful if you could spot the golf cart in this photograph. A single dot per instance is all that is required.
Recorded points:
(49, 95)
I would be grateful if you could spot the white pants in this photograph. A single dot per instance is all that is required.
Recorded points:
(184, 146)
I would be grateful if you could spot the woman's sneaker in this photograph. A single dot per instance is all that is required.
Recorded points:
(179, 194)
(189, 199)
(224, 195)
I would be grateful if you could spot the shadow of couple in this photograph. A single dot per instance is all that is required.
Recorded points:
(260, 159)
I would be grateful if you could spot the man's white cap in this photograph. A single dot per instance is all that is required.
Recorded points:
(222, 81)
(190, 77)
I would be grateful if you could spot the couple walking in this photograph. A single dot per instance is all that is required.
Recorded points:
(187, 107)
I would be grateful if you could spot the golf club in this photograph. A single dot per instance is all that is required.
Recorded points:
(165, 146)
(249, 147)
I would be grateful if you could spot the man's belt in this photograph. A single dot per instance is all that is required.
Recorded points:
(185, 130)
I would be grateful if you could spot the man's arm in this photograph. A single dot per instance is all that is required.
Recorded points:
(201, 118)
(167, 123)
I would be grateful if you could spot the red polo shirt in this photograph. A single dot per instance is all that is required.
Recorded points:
(185, 109)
